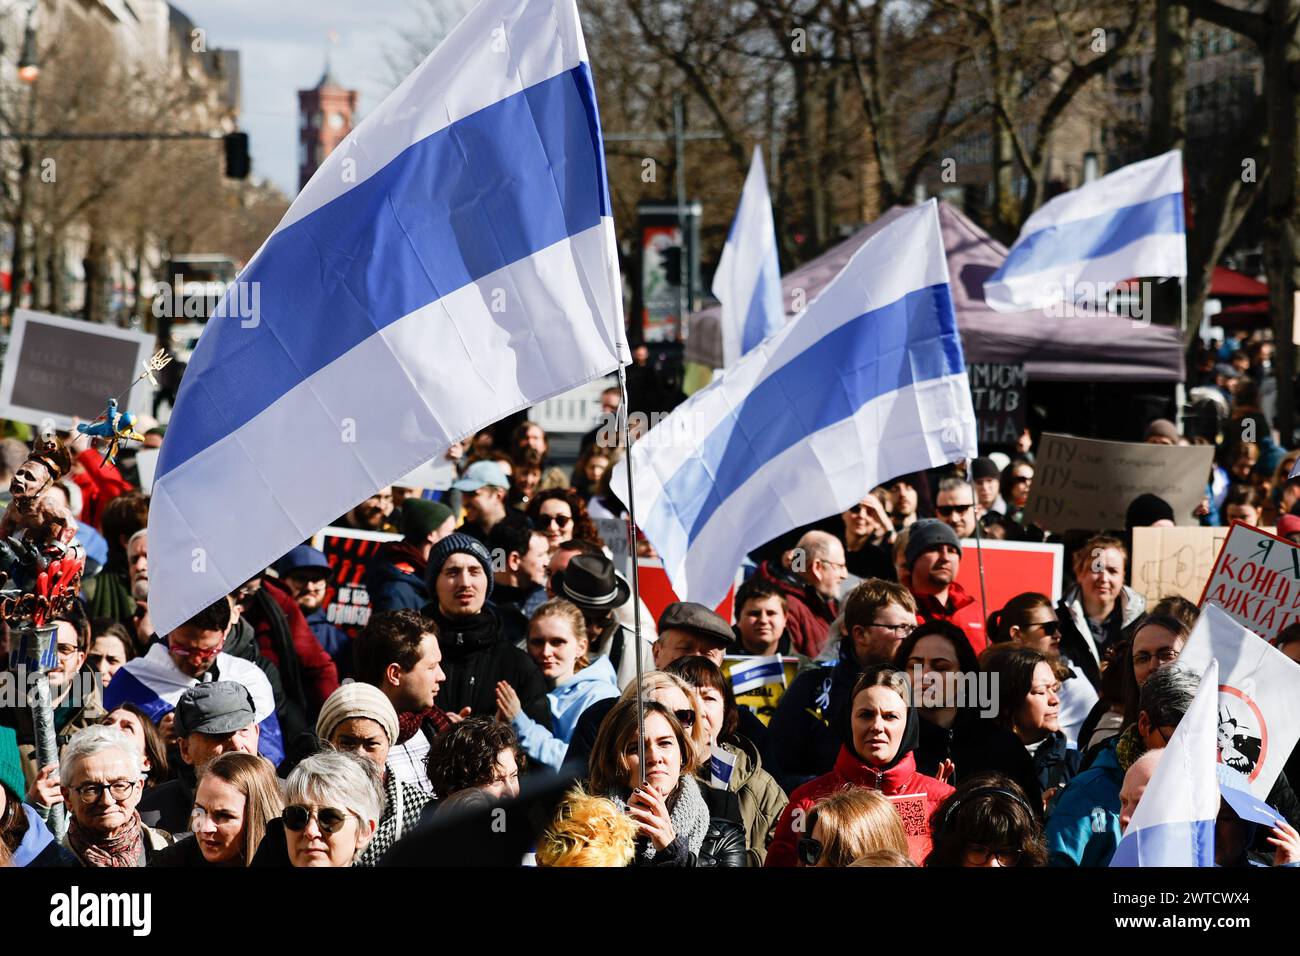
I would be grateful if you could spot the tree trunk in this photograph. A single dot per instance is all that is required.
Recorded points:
(18, 270)
(1169, 79)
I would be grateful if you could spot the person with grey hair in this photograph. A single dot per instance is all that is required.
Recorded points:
(332, 806)
(1083, 827)
(809, 576)
(102, 780)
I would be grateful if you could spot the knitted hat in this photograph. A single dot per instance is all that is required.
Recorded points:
(1145, 510)
(984, 468)
(926, 535)
(1162, 428)
(457, 543)
(355, 699)
(420, 516)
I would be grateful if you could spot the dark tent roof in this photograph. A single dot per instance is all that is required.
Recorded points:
(1094, 348)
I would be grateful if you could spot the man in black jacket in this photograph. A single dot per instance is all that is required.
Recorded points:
(475, 651)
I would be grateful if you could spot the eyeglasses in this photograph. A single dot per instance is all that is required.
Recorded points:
(329, 819)
(1020, 479)
(118, 789)
(810, 851)
(948, 511)
(900, 630)
(1049, 627)
(65, 650)
(560, 520)
(198, 653)
(976, 854)
(1166, 655)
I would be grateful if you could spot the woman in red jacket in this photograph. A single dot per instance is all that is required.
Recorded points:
(879, 738)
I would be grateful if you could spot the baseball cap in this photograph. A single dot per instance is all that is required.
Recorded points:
(218, 707)
(479, 474)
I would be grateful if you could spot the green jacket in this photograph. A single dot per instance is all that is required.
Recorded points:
(761, 799)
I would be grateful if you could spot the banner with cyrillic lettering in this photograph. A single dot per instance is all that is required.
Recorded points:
(1256, 580)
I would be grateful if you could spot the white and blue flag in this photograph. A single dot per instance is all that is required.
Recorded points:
(1128, 223)
(748, 280)
(866, 384)
(1173, 824)
(721, 766)
(451, 262)
(750, 673)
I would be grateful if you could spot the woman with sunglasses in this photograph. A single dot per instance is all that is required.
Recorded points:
(849, 825)
(1030, 620)
(1029, 704)
(333, 802)
(560, 515)
(880, 730)
(674, 826)
(987, 822)
(868, 537)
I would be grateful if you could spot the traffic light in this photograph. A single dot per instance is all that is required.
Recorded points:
(237, 162)
(670, 260)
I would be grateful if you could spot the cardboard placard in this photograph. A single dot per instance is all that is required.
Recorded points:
(1174, 561)
(1256, 580)
(350, 553)
(1011, 568)
(1086, 484)
(613, 532)
(762, 700)
(56, 369)
(998, 396)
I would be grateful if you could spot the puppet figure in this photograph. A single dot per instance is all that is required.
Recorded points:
(115, 426)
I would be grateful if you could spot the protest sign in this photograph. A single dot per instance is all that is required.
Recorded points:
(1174, 561)
(1082, 483)
(58, 369)
(762, 699)
(1256, 579)
(1259, 695)
(1011, 568)
(998, 396)
(613, 531)
(657, 591)
(350, 553)
(146, 464)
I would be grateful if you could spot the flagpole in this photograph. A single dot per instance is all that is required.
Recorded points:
(979, 539)
(1182, 289)
(631, 550)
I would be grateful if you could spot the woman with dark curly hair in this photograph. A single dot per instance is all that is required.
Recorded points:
(987, 822)
(477, 754)
(559, 513)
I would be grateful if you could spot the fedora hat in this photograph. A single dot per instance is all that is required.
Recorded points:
(591, 583)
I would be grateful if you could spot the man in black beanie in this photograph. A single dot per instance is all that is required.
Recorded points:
(395, 579)
(1148, 511)
(984, 475)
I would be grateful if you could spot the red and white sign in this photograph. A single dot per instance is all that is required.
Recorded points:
(657, 592)
(1256, 580)
(1010, 568)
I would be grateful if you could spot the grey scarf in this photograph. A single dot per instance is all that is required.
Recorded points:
(689, 816)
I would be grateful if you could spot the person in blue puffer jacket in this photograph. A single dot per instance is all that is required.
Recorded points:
(557, 641)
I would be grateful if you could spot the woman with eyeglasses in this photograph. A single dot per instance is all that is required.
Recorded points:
(102, 780)
(849, 825)
(880, 730)
(1158, 640)
(561, 515)
(1029, 702)
(237, 796)
(332, 805)
(987, 822)
(1030, 621)
(662, 796)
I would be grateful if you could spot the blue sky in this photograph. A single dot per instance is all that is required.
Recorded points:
(282, 45)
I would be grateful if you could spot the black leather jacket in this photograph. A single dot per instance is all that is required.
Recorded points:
(724, 845)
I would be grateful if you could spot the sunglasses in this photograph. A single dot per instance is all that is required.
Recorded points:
(1020, 479)
(329, 819)
(810, 851)
(561, 521)
(977, 855)
(1049, 627)
(949, 510)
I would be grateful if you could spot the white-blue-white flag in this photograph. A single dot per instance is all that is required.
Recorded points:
(749, 673)
(1126, 224)
(721, 766)
(748, 280)
(867, 384)
(451, 262)
(1173, 824)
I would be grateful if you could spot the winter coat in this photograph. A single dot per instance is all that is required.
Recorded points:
(977, 745)
(802, 736)
(567, 700)
(403, 805)
(395, 578)
(808, 615)
(961, 609)
(242, 643)
(167, 806)
(1083, 823)
(38, 848)
(1078, 697)
(333, 638)
(850, 771)
(306, 671)
(475, 655)
(99, 482)
(724, 846)
(1077, 645)
(761, 799)
(1055, 762)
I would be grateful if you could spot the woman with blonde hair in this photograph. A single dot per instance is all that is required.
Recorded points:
(849, 825)
(237, 796)
(588, 831)
(667, 689)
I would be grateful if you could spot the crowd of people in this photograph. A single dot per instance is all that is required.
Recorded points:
(501, 658)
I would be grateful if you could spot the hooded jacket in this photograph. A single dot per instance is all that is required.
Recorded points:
(808, 615)
(761, 799)
(1077, 644)
(395, 578)
(1055, 762)
(897, 778)
(976, 745)
(962, 609)
(567, 700)
(1083, 824)
(475, 655)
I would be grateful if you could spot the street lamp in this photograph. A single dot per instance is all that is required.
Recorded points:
(28, 69)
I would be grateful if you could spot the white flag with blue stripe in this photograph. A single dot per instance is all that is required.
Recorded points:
(748, 280)
(453, 261)
(866, 384)
(750, 673)
(1126, 224)
(1173, 824)
(721, 766)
